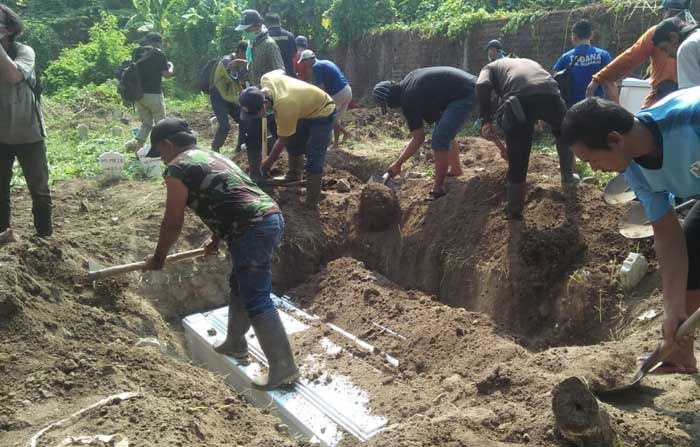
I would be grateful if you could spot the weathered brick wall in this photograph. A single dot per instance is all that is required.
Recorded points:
(393, 54)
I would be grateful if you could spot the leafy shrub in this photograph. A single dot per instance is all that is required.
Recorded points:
(350, 19)
(92, 62)
(46, 43)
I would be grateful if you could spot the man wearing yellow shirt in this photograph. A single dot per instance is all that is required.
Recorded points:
(228, 80)
(304, 116)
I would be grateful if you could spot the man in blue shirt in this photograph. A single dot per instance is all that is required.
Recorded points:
(658, 150)
(588, 60)
(327, 76)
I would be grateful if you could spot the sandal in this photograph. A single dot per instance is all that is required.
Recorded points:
(433, 196)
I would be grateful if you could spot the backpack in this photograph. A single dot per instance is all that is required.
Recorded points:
(130, 88)
(206, 76)
(565, 80)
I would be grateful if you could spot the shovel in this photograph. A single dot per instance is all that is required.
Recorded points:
(96, 272)
(656, 359)
(637, 226)
(386, 181)
(618, 191)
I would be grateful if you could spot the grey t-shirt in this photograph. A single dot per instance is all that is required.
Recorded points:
(20, 122)
(688, 60)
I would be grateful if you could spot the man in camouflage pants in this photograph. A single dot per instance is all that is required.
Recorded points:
(248, 220)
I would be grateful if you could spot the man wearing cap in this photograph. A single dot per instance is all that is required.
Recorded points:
(300, 69)
(328, 77)
(244, 217)
(440, 95)
(285, 42)
(153, 66)
(263, 57)
(663, 74)
(681, 41)
(304, 117)
(228, 81)
(527, 93)
(494, 50)
(22, 134)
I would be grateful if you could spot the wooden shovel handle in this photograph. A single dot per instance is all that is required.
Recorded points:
(126, 268)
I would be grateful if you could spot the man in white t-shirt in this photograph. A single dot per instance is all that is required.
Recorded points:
(681, 40)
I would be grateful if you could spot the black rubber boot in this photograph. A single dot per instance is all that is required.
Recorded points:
(275, 344)
(235, 344)
(254, 163)
(516, 200)
(296, 169)
(314, 184)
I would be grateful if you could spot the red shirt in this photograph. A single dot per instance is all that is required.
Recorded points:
(302, 72)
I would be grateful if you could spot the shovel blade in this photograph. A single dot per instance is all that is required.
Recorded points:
(386, 181)
(94, 266)
(618, 191)
(635, 224)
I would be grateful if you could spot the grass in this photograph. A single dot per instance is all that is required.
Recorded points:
(100, 109)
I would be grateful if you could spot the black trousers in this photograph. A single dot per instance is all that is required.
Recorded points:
(253, 139)
(548, 108)
(32, 159)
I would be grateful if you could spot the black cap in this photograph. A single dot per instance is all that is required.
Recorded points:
(252, 101)
(249, 17)
(495, 43)
(302, 41)
(387, 94)
(165, 129)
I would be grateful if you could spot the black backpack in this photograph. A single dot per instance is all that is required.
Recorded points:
(129, 76)
(565, 81)
(206, 76)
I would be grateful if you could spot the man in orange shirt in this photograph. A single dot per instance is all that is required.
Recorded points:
(663, 76)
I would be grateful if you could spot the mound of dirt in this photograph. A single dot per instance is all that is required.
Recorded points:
(379, 207)
(66, 343)
(462, 380)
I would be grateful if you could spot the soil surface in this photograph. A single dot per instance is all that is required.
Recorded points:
(485, 317)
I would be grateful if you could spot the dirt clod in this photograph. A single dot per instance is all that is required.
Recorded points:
(379, 207)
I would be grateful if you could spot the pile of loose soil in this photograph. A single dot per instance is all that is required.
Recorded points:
(462, 380)
(66, 344)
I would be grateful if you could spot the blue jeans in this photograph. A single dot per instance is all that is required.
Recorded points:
(312, 138)
(252, 264)
(451, 122)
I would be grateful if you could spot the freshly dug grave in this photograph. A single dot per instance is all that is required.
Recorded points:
(551, 278)
(65, 345)
(462, 380)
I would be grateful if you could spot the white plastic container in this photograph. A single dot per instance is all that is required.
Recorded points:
(214, 123)
(633, 270)
(112, 164)
(153, 167)
(633, 92)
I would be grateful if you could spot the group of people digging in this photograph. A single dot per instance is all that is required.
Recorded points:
(658, 150)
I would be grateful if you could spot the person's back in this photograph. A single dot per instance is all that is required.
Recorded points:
(266, 57)
(152, 62)
(689, 61)
(285, 41)
(295, 100)
(327, 74)
(426, 92)
(587, 61)
(220, 193)
(518, 77)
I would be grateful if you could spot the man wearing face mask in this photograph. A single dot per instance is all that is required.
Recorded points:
(21, 125)
(263, 57)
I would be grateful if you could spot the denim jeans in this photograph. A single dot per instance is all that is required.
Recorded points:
(223, 109)
(312, 138)
(252, 264)
(253, 139)
(451, 122)
(32, 159)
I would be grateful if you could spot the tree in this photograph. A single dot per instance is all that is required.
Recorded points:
(350, 19)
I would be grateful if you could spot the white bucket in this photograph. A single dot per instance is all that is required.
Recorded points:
(112, 164)
(153, 167)
(633, 93)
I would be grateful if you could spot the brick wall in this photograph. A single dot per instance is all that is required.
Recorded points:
(393, 54)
